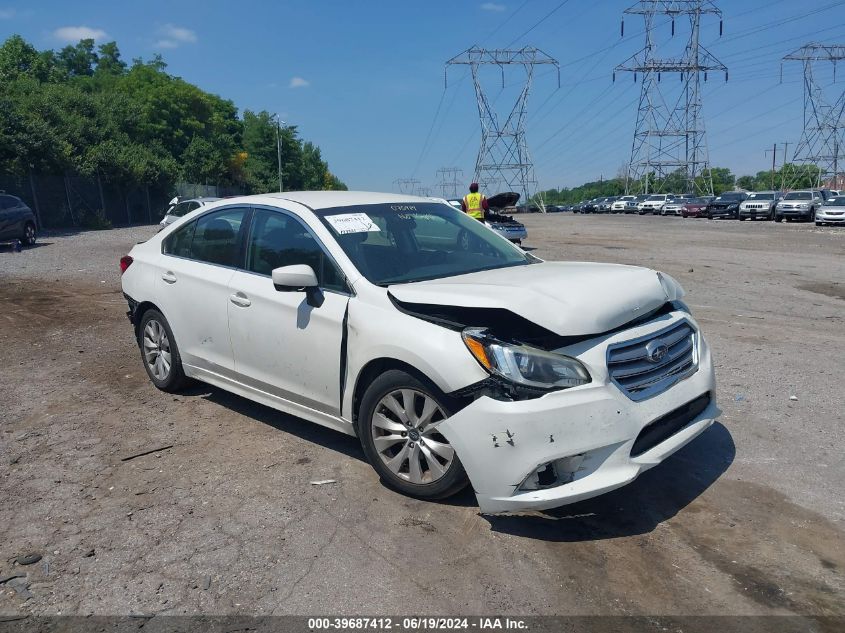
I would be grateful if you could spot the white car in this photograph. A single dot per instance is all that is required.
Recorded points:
(654, 203)
(179, 207)
(620, 203)
(453, 355)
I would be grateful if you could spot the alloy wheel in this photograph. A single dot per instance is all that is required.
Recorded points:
(157, 353)
(29, 234)
(405, 435)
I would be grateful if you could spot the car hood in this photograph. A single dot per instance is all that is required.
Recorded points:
(567, 298)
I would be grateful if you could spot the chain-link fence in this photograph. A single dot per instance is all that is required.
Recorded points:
(74, 201)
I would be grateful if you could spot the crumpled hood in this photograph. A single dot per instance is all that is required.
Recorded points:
(569, 299)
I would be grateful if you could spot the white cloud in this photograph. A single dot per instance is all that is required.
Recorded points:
(173, 36)
(73, 34)
(493, 6)
(7, 14)
(298, 82)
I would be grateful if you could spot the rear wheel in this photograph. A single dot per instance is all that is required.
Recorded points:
(160, 353)
(29, 234)
(398, 427)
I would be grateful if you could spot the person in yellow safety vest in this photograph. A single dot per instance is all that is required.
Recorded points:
(474, 203)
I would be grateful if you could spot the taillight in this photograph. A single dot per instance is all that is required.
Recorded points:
(125, 262)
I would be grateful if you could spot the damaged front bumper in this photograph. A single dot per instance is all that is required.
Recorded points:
(574, 444)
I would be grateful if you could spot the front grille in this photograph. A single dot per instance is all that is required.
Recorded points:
(640, 376)
(665, 427)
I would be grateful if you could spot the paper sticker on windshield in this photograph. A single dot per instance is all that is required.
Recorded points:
(347, 223)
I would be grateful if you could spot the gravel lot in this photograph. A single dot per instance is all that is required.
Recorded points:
(748, 519)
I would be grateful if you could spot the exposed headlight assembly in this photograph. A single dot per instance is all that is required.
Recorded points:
(524, 365)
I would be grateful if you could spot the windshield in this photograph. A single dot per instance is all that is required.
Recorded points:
(798, 195)
(761, 196)
(405, 242)
(836, 202)
(656, 198)
(730, 196)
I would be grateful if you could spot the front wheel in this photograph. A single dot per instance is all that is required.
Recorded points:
(29, 234)
(398, 427)
(160, 353)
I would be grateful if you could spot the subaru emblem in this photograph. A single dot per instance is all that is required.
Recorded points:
(656, 350)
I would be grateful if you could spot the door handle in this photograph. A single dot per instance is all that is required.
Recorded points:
(169, 277)
(240, 299)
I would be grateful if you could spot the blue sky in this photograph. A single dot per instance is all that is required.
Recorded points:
(365, 80)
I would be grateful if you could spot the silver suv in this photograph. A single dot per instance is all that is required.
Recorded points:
(759, 204)
(799, 205)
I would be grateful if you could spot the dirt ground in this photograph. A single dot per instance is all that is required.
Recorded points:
(747, 519)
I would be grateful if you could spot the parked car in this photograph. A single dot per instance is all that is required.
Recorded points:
(633, 206)
(606, 203)
(495, 218)
(17, 221)
(799, 205)
(590, 206)
(759, 204)
(673, 207)
(654, 203)
(618, 205)
(695, 208)
(831, 212)
(179, 207)
(455, 357)
(726, 205)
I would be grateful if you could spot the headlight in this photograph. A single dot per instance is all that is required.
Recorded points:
(524, 365)
(673, 289)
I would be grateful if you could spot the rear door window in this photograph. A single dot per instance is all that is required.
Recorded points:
(214, 238)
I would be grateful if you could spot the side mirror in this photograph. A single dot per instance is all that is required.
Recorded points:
(292, 278)
(298, 277)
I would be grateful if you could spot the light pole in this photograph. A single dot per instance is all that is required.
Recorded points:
(279, 147)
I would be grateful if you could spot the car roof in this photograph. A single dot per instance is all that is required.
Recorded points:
(329, 199)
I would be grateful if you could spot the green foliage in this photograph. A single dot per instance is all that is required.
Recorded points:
(83, 110)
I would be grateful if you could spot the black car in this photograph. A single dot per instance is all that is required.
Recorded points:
(725, 206)
(17, 221)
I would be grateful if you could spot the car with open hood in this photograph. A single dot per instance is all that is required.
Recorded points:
(453, 355)
(496, 218)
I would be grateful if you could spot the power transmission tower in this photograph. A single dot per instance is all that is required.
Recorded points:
(424, 192)
(407, 186)
(822, 144)
(503, 157)
(669, 137)
(449, 181)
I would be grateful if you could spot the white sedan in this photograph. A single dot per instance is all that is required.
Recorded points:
(453, 355)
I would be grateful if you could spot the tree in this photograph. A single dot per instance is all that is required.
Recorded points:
(79, 60)
(84, 111)
(108, 60)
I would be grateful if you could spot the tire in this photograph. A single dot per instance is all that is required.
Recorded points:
(818, 223)
(392, 445)
(778, 218)
(159, 352)
(30, 234)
